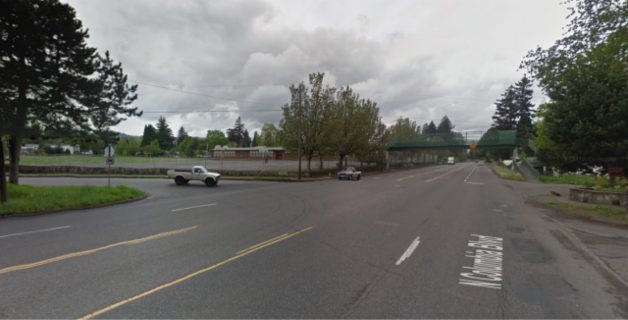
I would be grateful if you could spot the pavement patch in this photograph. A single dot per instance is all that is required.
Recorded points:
(531, 251)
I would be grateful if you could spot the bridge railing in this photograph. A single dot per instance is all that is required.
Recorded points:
(459, 140)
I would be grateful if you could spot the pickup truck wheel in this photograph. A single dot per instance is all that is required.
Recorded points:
(210, 182)
(358, 178)
(179, 181)
(339, 177)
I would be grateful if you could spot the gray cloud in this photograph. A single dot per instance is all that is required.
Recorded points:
(419, 60)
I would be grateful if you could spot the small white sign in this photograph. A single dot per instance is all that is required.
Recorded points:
(109, 151)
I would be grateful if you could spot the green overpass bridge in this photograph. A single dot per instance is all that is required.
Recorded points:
(492, 139)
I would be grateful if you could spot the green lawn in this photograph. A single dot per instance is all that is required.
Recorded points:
(97, 159)
(32, 199)
(507, 173)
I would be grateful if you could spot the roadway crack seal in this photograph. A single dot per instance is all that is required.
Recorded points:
(363, 293)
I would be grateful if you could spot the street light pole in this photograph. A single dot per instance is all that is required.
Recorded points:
(299, 135)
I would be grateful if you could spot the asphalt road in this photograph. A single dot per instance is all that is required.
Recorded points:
(439, 242)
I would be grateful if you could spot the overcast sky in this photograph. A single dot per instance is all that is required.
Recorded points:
(417, 59)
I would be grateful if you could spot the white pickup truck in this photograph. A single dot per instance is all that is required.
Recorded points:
(183, 176)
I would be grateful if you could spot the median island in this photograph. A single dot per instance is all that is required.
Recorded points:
(26, 199)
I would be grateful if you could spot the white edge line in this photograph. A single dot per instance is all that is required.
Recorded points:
(409, 251)
(194, 207)
(34, 231)
(470, 173)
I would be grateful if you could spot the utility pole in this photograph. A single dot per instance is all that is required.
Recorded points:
(299, 131)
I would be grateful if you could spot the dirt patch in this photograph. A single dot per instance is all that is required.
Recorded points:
(564, 208)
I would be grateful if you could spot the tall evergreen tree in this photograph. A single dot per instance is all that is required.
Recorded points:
(431, 128)
(246, 139)
(236, 134)
(425, 128)
(445, 125)
(47, 69)
(150, 134)
(255, 139)
(524, 107)
(114, 98)
(506, 113)
(164, 134)
(181, 134)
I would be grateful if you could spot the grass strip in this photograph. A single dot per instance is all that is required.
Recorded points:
(569, 179)
(604, 212)
(24, 199)
(506, 173)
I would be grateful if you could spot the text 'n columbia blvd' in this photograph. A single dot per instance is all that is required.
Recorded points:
(486, 271)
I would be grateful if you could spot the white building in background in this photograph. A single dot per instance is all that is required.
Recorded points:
(67, 148)
(29, 148)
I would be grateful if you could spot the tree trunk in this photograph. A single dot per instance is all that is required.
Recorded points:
(299, 173)
(14, 159)
(342, 158)
(321, 159)
(309, 162)
(3, 177)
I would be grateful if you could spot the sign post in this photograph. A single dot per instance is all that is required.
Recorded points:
(613, 173)
(109, 153)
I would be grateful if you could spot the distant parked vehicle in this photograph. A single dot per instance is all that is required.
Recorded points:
(183, 176)
(349, 173)
(451, 160)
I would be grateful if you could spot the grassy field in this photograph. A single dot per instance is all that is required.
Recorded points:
(506, 173)
(95, 159)
(33, 199)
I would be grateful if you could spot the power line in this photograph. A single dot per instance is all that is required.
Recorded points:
(201, 94)
(214, 111)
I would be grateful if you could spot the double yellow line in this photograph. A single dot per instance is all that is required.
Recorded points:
(92, 251)
(239, 254)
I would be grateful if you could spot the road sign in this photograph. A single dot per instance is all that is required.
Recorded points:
(473, 146)
(615, 171)
(110, 151)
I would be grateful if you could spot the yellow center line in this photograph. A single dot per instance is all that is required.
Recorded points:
(195, 273)
(261, 244)
(91, 251)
